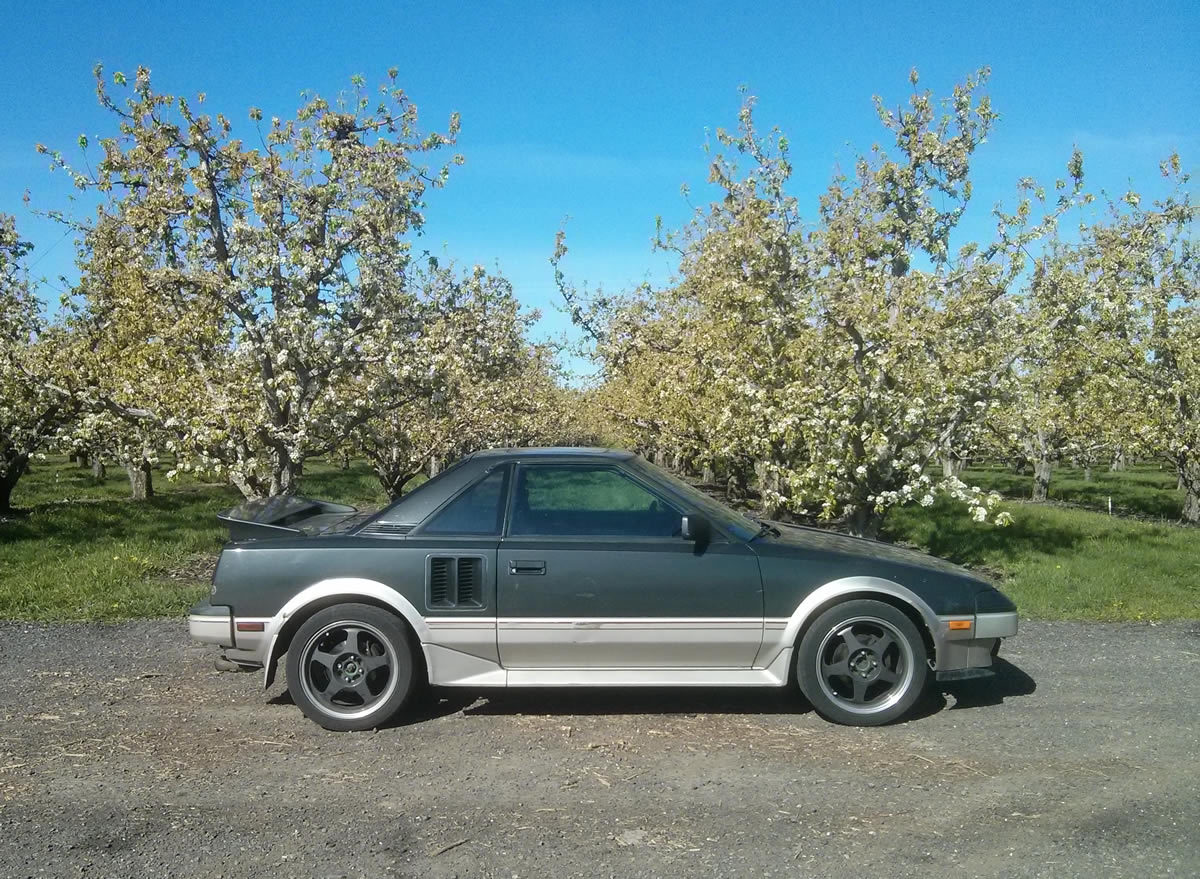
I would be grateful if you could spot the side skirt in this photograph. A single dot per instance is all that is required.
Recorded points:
(451, 668)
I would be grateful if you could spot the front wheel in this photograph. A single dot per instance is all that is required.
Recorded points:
(351, 667)
(862, 663)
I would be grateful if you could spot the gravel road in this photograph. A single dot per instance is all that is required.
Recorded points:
(123, 754)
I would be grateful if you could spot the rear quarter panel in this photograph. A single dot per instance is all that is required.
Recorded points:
(257, 580)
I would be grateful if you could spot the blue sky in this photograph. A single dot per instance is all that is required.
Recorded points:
(599, 111)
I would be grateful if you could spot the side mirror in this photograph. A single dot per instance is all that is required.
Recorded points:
(695, 527)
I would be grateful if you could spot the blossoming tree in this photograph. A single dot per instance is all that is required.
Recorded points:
(471, 380)
(842, 353)
(36, 399)
(244, 283)
(1143, 269)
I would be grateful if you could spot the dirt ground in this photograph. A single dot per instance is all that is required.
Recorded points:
(124, 754)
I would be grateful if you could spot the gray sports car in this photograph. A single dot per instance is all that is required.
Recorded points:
(582, 568)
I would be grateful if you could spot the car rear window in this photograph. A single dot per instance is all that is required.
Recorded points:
(478, 510)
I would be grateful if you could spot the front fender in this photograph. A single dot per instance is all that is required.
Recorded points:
(789, 628)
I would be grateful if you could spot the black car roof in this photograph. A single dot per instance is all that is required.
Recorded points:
(557, 452)
(423, 500)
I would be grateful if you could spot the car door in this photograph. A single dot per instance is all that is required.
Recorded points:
(593, 573)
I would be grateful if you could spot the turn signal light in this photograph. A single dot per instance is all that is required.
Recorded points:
(958, 625)
(251, 627)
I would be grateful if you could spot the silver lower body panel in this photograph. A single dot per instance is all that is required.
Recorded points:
(976, 645)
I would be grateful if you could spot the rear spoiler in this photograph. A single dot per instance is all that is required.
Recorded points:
(279, 516)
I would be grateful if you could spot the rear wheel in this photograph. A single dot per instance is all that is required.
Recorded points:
(351, 667)
(862, 663)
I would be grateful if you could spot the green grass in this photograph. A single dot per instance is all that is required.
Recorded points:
(357, 485)
(83, 551)
(1062, 563)
(1143, 491)
(1068, 558)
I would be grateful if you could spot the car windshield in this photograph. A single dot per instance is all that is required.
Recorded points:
(740, 526)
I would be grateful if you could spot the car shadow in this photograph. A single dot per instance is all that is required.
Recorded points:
(428, 705)
(597, 701)
(1009, 682)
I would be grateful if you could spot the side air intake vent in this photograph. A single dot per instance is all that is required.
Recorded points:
(455, 582)
(439, 583)
(470, 585)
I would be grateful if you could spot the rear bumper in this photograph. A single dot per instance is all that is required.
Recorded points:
(211, 624)
(245, 640)
(972, 646)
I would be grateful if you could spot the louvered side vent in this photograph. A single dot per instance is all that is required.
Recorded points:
(440, 594)
(386, 528)
(470, 586)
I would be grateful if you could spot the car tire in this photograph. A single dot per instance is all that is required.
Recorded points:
(862, 663)
(352, 667)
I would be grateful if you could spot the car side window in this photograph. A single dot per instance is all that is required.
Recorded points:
(587, 501)
(478, 510)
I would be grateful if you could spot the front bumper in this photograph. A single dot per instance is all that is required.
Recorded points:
(971, 641)
(996, 625)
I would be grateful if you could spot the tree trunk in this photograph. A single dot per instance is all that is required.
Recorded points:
(1042, 470)
(951, 466)
(1191, 507)
(677, 462)
(708, 476)
(1189, 475)
(435, 466)
(393, 484)
(734, 490)
(141, 480)
(768, 487)
(81, 460)
(660, 458)
(250, 486)
(12, 474)
(864, 521)
(1118, 461)
(284, 480)
(1087, 474)
(393, 479)
(952, 463)
(99, 471)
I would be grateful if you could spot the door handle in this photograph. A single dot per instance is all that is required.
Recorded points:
(519, 566)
